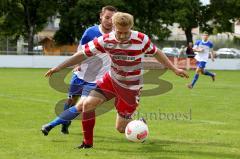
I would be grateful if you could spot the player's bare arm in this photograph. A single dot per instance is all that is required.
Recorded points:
(198, 49)
(212, 55)
(73, 60)
(162, 58)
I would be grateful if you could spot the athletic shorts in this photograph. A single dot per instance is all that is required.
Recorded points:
(79, 87)
(126, 100)
(201, 64)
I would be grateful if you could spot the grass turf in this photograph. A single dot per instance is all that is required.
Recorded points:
(201, 123)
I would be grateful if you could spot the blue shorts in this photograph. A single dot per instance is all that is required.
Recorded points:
(201, 64)
(79, 87)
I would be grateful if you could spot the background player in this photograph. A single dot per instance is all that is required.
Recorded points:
(203, 48)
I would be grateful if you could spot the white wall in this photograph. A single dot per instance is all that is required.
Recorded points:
(17, 61)
(22, 61)
(224, 64)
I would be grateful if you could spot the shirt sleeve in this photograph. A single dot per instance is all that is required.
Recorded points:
(211, 45)
(94, 47)
(196, 44)
(149, 48)
(85, 38)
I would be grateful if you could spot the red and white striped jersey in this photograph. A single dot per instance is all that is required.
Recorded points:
(126, 67)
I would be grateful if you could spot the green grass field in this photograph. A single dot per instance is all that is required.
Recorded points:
(27, 102)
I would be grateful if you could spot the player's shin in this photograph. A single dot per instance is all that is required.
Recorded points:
(207, 73)
(196, 76)
(88, 123)
(65, 116)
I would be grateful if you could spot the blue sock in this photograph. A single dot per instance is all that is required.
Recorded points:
(208, 73)
(66, 106)
(65, 117)
(195, 79)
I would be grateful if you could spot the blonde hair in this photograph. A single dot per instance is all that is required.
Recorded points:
(122, 19)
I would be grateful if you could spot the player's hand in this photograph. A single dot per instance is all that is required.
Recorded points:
(77, 68)
(181, 73)
(200, 49)
(51, 71)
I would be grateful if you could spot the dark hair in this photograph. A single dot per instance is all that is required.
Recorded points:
(109, 8)
(205, 33)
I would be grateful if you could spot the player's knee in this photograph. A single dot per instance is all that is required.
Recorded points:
(69, 101)
(72, 101)
(120, 129)
(79, 107)
(198, 71)
(88, 105)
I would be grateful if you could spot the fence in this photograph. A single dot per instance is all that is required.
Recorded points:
(36, 61)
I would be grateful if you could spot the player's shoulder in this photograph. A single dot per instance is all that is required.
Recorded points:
(108, 36)
(210, 42)
(198, 42)
(139, 35)
(92, 28)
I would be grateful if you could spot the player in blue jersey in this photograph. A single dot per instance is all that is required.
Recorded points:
(85, 76)
(202, 48)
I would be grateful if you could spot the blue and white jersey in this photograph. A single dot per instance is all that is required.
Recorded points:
(94, 67)
(207, 48)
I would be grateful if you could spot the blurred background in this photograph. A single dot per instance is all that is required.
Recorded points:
(54, 27)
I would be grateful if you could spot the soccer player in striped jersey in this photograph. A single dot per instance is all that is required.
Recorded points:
(124, 81)
(203, 48)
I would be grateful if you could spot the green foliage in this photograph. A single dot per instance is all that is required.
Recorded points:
(224, 13)
(77, 15)
(187, 14)
(151, 17)
(25, 17)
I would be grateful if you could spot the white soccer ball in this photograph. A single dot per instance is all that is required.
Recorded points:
(136, 131)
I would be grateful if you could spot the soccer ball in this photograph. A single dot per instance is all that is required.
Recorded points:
(136, 131)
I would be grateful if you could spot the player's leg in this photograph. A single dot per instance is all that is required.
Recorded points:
(88, 117)
(196, 75)
(121, 123)
(63, 118)
(75, 90)
(210, 74)
(71, 101)
(126, 106)
(102, 93)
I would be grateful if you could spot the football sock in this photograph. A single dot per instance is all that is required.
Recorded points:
(196, 76)
(65, 117)
(67, 106)
(208, 73)
(88, 123)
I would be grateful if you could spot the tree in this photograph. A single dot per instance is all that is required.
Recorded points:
(77, 15)
(26, 17)
(224, 13)
(151, 17)
(187, 14)
(205, 19)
